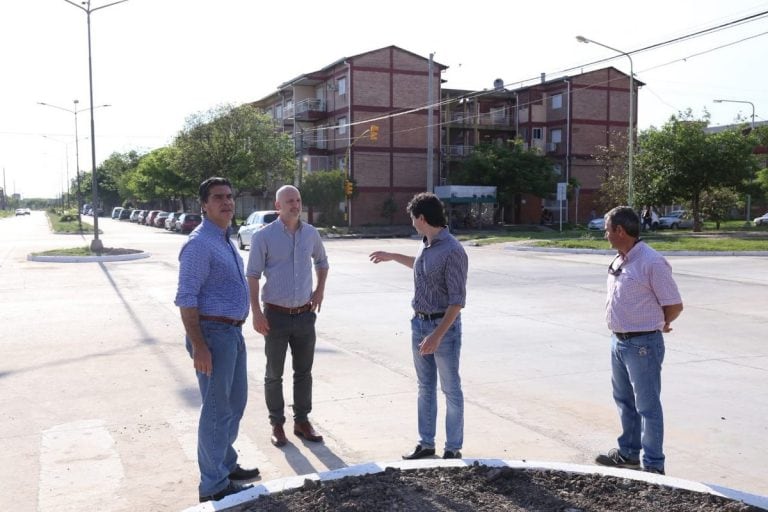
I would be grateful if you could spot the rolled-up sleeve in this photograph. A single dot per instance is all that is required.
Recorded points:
(318, 253)
(456, 266)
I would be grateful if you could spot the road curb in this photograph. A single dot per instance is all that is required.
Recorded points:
(89, 259)
(294, 482)
(528, 248)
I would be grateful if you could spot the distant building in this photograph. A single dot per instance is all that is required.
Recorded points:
(330, 113)
(564, 118)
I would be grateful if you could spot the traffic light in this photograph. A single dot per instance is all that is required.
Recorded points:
(349, 188)
(373, 133)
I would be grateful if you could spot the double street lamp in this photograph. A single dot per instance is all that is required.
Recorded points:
(96, 244)
(631, 133)
(75, 111)
(749, 197)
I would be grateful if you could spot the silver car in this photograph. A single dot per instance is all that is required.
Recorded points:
(253, 223)
(761, 221)
(677, 219)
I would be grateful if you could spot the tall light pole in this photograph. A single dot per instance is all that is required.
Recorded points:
(749, 196)
(631, 135)
(75, 111)
(96, 245)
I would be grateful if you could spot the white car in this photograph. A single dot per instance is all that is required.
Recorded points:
(761, 221)
(22, 211)
(596, 224)
(677, 219)
(253, 223)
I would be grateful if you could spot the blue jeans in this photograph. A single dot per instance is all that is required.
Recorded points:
(445, 363)
(224, 395)
(636, 378)
(297, 332)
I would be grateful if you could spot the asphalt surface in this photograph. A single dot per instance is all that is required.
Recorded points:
(99, 402)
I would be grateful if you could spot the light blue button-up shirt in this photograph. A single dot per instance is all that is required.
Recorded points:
(285, 259)
(211, 274)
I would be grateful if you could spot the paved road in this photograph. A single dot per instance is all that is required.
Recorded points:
(98, 400)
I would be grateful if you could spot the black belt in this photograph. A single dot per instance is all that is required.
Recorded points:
(429, 316)
(623, 336)
(222, 320)
(289, 311)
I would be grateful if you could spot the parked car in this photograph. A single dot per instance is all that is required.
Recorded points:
(21, 211)
(254, 222)
(150, 218)
(125, 214)
(142, 218)
(116, 212)
(187, 222)
(159, 221)
(170, 221)
(596, 224)
(135, 215)
(761, 221)
(677, 219)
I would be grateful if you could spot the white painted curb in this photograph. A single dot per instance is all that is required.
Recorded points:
(294, 482)
(89, 259)
(531, 248)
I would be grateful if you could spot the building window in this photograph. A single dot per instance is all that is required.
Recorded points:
(278, 112)
(557, 135)
(558, 169)
(341, 86)
(342, 125)
(536, 134)
(557, 101)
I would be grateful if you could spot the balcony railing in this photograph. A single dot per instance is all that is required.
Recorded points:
(457, 151)
(310, 109)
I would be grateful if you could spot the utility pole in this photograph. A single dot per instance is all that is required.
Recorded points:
(430, 127)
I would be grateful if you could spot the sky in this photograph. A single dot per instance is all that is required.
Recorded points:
(157, 62)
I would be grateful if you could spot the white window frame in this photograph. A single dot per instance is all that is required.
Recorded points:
(341, 85)
(341, 125)
(557, 101)
(557, 135)
(535, 131)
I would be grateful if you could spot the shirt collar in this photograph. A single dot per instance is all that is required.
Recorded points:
(212, 228)
(440, 236)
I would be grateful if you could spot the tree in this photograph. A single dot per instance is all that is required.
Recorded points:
(717, 204)
(157, 177)
(511, 168)
(324, 190)
(111, 174)
(683, 161)
(239, 143)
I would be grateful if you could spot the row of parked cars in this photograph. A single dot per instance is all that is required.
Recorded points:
(676, 219)
(183, 222)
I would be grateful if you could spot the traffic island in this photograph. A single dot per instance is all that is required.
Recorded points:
(85, 255)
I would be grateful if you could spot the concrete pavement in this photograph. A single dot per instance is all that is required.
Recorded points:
(99, 400)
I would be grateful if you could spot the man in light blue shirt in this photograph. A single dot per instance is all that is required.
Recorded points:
(213, 298)
(283, 252)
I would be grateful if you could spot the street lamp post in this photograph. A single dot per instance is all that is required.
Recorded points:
(631, 134)
(75, 111)
(96, 244)
(749, 196)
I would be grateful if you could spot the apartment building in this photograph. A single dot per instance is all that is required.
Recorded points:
(564, 118)
(332, 111)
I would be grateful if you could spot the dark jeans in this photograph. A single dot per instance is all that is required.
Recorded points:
(297, 332)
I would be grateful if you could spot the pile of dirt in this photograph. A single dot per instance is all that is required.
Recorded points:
(483, 488)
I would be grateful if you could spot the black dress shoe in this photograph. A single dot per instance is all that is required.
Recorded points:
(240, 473)
(419, 452)
(232, 488)
(452, 454)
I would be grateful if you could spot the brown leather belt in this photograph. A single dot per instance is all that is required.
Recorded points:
(222, 319)
(624, 336)
(289, 311)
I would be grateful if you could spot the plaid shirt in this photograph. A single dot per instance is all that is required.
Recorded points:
(637, 292)
(440, 274)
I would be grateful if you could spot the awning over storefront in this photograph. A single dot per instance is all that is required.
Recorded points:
(463, 194)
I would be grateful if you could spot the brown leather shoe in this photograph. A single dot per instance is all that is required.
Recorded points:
(278, 436)
(304, 429)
